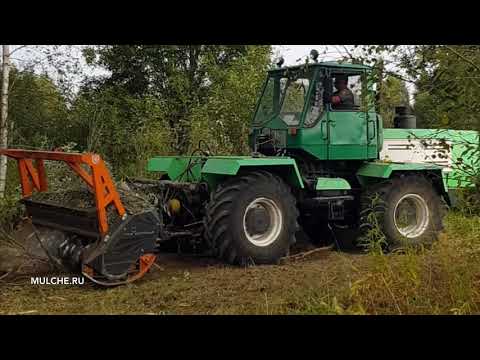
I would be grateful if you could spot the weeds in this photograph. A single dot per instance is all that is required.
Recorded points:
(11, 212)
(468, 201)
(444, 279)
(373, 240)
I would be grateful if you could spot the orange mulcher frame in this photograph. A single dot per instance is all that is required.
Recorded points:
(99, 180)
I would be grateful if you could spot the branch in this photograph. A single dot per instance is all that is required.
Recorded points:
(348, 52)
(400, 77)
(20, 47)
(305, 254)
(463, 57)
(5, 275)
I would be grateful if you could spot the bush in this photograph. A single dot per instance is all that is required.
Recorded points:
(468, 201)
(11, 212)
(442, 280)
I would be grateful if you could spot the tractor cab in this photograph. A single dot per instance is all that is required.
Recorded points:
(297, 111)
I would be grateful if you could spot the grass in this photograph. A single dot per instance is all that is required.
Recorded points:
(441, 280)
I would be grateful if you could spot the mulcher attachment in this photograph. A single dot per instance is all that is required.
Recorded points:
(126, 254)
(109, 244)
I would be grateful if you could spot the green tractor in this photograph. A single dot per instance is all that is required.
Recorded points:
(319, 167)
(315, 167)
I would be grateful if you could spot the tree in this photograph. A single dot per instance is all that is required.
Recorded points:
(38, 112)
(179, 76)
(392, 93)
(223, 119)
(446, 78)
(448, 89)
(125, 130)
(4, 115)
(44, 56)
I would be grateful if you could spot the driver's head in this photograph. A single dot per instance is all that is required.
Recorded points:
(341, 82)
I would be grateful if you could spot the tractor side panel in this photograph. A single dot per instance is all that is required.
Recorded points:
(179, 168)
(443, 147)
(216, 170)
(332, 184)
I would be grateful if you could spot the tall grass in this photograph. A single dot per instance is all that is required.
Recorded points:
(442, 280)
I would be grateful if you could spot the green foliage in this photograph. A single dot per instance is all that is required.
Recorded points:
(38, 113)
(438, 281)
(373, 240)
(157, 100)
(11, 212)
(468, 201)
(223, 121)
(393, 93)
(446, 79)
(123, 129)
(448, 89)
(161, 100)
(181, 77)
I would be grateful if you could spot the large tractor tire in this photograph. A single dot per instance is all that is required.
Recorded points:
(252, 219)
(406, 209)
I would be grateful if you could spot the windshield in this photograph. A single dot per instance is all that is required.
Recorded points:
(294, 94)
(284, 96)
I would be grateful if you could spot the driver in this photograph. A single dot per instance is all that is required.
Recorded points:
(343, 97)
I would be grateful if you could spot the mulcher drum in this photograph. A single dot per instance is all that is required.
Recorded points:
(74, 210)
(111, 255)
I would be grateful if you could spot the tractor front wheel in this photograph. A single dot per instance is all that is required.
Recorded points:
(252, 219)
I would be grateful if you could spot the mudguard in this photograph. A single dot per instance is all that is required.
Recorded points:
(216, 169)
(372, 171)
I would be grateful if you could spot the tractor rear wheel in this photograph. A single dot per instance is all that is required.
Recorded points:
(252, 219)
(407, 210)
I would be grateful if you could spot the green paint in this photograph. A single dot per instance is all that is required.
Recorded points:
(175, 167)
(383, 170)
(332, 184)
(332, 134)
(214, 169)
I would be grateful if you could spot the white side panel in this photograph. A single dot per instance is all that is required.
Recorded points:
(418, 151)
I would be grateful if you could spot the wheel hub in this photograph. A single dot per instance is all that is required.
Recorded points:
(411, 216)
(257, 220)
(262, 221)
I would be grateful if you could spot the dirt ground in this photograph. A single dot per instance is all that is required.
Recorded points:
(180, 284)
(177, 284)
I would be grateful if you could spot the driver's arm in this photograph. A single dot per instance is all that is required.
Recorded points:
(340, 98)
(336, 100)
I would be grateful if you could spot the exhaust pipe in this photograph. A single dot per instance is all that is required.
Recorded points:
(404, 119)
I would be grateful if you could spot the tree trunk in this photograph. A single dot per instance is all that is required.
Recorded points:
(4, 116)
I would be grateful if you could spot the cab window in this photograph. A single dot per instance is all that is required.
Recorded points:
(317, 107)
(349, 87)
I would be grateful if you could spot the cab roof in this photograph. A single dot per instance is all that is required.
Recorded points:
(329, 64)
